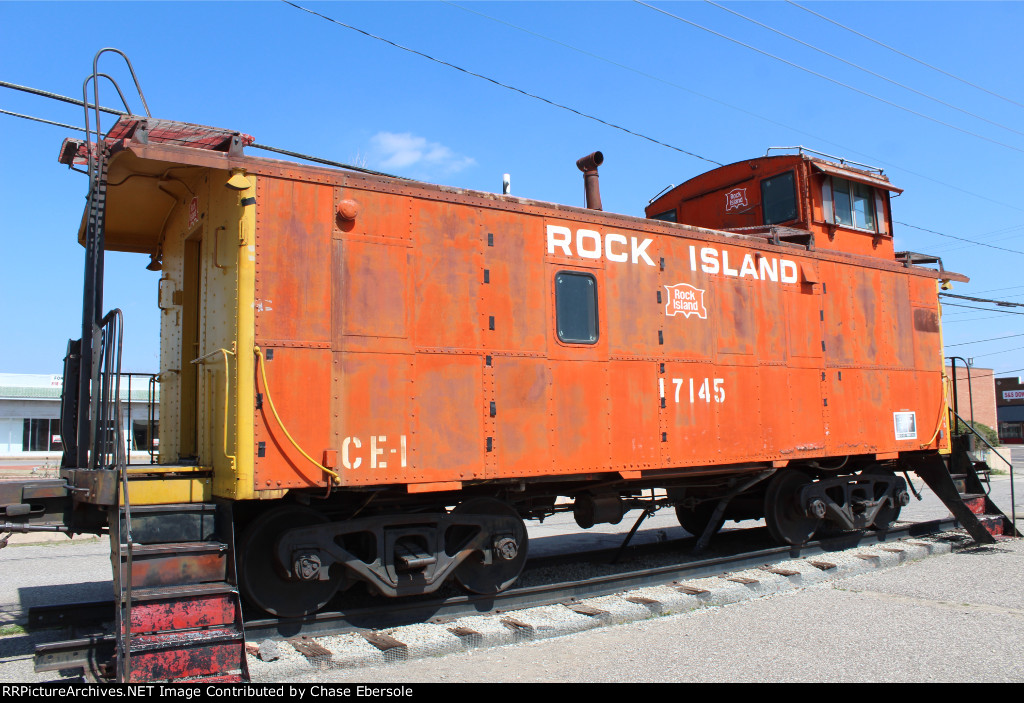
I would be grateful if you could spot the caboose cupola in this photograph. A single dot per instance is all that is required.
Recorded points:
(808, 198)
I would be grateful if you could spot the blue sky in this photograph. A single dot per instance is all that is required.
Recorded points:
(299, 82)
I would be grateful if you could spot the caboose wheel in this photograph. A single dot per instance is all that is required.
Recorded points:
(473, 574)
(787, 520)
(262, 580)
(696, 520)
(889, 512)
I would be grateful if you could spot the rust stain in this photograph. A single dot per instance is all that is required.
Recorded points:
(926, 320)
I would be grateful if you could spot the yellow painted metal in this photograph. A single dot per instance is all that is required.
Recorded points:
(945, 445)
(226, 425)
(164, 491)
(238, 180)
(240, 484)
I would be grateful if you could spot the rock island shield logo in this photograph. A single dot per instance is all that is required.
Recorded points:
(735, 199)
(684, 299)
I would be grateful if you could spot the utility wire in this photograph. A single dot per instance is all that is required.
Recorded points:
(967, 319)
(824, 77)
(1008, 233)
(64, 98)
(995, 373)
(657, 79)
(40, 119)
(908, 56)
(502, 85)
(972, 307)
(865, 70)
(736, 108)
(327, 162)
(979, 341)
(1001, 303)
(1004, 351)
(962, 239)
(55, 96)
(785, 126)
(315, 159)
(997, 290)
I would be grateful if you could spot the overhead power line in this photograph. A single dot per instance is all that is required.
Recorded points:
(327, 162)
(1004, 351)
(315, 159)
(865, 70)
(64, 98)
(827, 78)
(55, 96)
(979, 341)
(997, 373)
(907, 56)
(502, 85)
(998, 290)
(962, 239)
(974, 307)
(1001, 303)
(40, 119)
(848, 149)
(967, 319)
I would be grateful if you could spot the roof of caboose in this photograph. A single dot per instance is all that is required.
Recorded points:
(739, 172)
(158, 163)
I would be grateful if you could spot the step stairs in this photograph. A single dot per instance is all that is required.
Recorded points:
(988, 515)
(960, 482)
(179, 613)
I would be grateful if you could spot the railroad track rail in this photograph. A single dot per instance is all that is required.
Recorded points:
(94, 651)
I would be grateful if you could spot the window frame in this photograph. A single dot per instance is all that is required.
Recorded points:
(828, 203)
(33, 428)
(795, 193)
(596, 309)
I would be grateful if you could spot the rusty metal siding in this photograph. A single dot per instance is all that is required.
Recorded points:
(522, 387)
(417, 343)
(293, 328)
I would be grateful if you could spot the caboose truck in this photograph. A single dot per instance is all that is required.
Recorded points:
(370, 379)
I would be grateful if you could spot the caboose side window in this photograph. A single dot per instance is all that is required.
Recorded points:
(576, 307)
(849, 203)
(778, 198)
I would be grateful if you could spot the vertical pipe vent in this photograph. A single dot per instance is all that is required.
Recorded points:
(588, 164)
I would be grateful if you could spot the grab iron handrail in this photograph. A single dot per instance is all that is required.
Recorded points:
(1013, 501)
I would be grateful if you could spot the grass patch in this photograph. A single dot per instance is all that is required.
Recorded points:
(8, 630)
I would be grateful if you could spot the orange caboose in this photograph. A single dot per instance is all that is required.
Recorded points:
(345, 356)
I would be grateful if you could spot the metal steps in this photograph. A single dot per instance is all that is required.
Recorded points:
(179, 612)
(959, 481)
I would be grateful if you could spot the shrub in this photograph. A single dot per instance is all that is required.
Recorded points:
(990, 435)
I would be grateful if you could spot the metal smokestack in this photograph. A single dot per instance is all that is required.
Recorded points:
(588, 164)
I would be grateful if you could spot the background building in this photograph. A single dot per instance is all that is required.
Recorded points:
(1010, 407)
(30, 415)
(979, 394)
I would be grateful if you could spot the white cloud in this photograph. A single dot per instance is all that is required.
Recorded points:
(406, 150)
